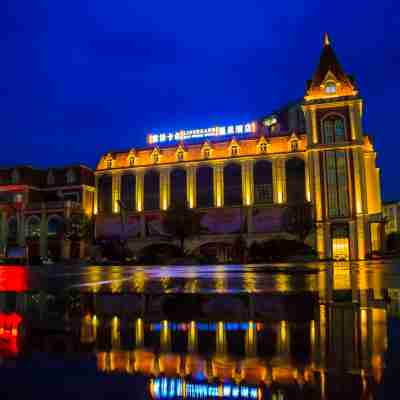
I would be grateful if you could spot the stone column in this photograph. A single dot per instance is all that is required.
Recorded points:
(139, 196)
(139, 333)
(192, 337)
(116, 192)
(21, 228)
(218, 185)
(96, 195)
(221, 342)
(251, 340)
(308, 174)
(247, 183)
(66, 244)
(3, 231)
(327, 240)
(191, 186)
(164, 188)
(314, 127)
(165, 337)
(352, 240)
(43, 233)
(279, 180)
(361, 237)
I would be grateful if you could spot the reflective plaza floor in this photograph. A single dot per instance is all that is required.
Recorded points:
(315, 331)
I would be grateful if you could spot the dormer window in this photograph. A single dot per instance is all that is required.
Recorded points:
(294, 145)
(330, 88)
(156, 158)
(180, 155)
(50, 178)
(234, 151)
(109, 163)
(131, 161)
(263, 148)
(70, 177)
(207, 153)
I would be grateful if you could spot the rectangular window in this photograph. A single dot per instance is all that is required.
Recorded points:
(329, 131)
(336, 179)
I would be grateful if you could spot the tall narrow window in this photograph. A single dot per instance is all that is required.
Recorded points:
(339, 130)
(336, 179)
(328, 131)
(128, 187)
(234, 151)
(333, 130)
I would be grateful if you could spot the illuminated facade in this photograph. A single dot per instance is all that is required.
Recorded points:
(243, 177)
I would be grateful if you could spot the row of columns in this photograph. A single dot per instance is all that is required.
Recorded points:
(247, 170)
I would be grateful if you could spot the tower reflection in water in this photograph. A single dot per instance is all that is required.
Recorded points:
(289, 344)
(318, 343)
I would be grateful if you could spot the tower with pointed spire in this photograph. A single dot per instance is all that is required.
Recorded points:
(343, 179)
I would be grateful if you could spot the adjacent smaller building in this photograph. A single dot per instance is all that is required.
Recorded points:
(391, 213)
(36, 203)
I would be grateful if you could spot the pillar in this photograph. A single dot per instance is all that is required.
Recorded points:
(218, 185)
(327, 240)
(361, 242)
(283, 339)
(116, 192)
(3, 231)
(139, 333)
(96, 195)
(314, 128)
(43, 233)
(21, 228)
(193, 339)
(164, 188)
(353, 240)
(165, 337)
(279, 180)
(247, 182)
(115, 333)
(221, 342)
(320, 241)
(251, 340)
(308, 174)
(139, 191)
(191, 186)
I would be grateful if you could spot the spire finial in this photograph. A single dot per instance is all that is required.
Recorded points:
(326, 40)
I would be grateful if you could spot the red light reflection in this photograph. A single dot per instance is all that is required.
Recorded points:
(13, 278)
(9, 324)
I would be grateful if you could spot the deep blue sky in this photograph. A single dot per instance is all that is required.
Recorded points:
(81, 77)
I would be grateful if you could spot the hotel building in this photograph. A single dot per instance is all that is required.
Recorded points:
(242, 178)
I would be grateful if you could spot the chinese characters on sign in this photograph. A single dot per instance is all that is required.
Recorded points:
(240, 129)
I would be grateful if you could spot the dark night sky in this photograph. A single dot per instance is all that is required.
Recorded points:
(81, 77)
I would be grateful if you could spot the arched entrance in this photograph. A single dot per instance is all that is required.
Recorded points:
(151, 198)
(205, 186)
(178, 187)
(295, 180)
(233, 185)
(263, 183)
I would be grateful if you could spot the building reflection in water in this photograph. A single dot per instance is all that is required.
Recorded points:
(280, 345)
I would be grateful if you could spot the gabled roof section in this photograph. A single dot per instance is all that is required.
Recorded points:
(329, 71)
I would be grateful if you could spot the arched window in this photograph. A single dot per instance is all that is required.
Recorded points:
(105, 194)
(295, 180)
(263, 191)
(54, 226)
(152, 190)
(334, 129)
(33, 227)
(180, 155)
(205, 186)
(234, 151)
(12, 229)
(128, 191)
(178, 186)
(233, 185)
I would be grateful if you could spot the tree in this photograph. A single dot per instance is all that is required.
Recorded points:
(79, 227)
(298, 220)
(181, 222)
